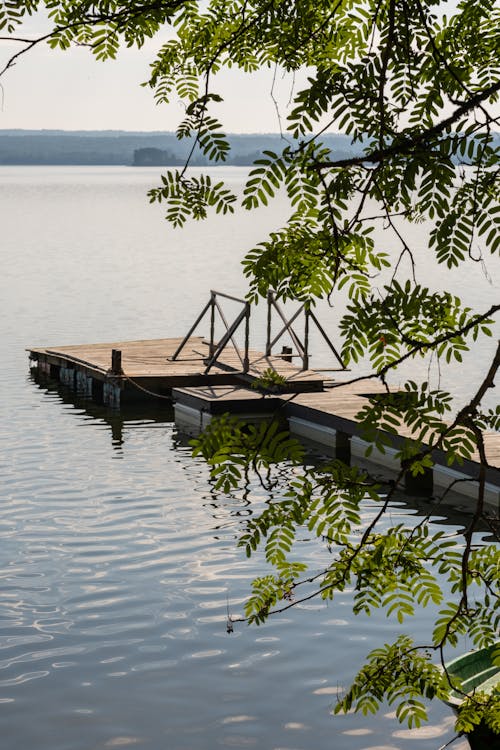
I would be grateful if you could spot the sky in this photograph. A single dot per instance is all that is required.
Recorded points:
(49, 89)
(70, 90)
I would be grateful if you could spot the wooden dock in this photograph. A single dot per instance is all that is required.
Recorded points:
(328, 418)
(147, 367)
(337, 408)
(334, 407)
(202, 386)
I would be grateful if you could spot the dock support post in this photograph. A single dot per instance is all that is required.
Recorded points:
(343, 447)
(111, 395)
(67, 376)
(116, 362)
(43, 366)
(80, 381)
(84, 383)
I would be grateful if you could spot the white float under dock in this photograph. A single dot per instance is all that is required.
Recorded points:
(328, 420)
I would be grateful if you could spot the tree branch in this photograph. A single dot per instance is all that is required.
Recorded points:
(408, 144)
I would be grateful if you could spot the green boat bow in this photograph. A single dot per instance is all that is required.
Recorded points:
(473, 673)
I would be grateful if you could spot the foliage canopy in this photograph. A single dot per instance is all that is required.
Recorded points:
(415, 83)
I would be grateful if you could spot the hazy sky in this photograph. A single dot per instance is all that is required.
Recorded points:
(72, 91)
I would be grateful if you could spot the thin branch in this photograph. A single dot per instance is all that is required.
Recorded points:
(88, 20)
(383, 72)
(274, 100)
(30, 44)
(406, 247)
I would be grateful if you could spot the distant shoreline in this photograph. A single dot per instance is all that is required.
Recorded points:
(123, 148)
(94, 148)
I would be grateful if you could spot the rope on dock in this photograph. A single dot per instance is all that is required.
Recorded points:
(145, 390)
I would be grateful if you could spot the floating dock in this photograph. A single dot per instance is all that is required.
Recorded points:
(205, 377)
(123, 370)
(328, 419)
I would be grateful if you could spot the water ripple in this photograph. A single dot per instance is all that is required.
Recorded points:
(117, 557)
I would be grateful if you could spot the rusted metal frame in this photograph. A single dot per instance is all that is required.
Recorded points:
(228, 296)
(270, 296)
(327, 339)
(298, 343)
(246, 359)
(225, 339)
(283, 330)
(223, 317)
(305, 358)
(211, 344)
(191, 331)
(215, 348)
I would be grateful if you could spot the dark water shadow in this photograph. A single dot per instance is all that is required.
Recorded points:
(116, 419)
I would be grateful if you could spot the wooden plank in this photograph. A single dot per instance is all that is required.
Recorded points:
(151, 358)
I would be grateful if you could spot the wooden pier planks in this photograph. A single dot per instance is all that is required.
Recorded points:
(148, 365)
(492, 448)
(341, 401)
(150, 361)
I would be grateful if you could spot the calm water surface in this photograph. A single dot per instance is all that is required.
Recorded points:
(117, 560)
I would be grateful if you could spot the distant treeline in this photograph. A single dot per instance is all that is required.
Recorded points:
(156, 157)
(117, 147)
(57, 147)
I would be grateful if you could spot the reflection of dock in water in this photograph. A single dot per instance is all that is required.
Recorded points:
(329, 419)
(326, 420)
(116, 420)
(152, 415)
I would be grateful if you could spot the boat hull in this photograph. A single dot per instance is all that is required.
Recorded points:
(477, 672)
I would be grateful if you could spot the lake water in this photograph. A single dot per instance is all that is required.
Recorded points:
(117, 559)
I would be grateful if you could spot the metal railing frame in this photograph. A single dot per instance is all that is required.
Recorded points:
(215, 349)
(302, 347)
